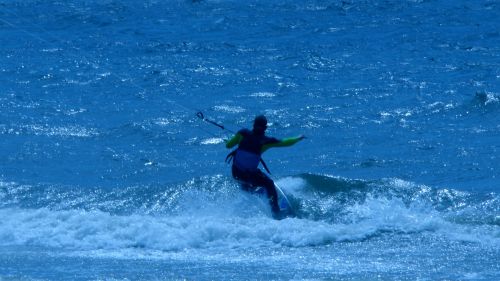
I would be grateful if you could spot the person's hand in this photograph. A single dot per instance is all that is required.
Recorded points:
(301, 137)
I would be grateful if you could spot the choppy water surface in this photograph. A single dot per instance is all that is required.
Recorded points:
(107, 173)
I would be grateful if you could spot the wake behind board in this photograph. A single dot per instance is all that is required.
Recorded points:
(283, 202)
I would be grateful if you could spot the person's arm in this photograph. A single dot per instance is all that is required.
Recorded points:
(236, 139)
(284, 142)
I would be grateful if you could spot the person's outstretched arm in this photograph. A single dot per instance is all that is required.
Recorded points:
(284, 142)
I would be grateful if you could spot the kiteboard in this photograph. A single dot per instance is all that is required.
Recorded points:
(283, 202)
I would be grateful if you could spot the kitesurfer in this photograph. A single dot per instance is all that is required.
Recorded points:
(247, 156)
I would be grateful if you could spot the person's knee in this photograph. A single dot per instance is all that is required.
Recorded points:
(266, 181)
(271, 189)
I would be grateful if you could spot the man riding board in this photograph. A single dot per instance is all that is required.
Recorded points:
(246, 158)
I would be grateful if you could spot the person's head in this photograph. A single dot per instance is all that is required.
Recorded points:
(260, 124)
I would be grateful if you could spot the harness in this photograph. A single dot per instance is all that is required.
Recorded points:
(230, 156)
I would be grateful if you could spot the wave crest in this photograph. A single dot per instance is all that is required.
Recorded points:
(211, 211)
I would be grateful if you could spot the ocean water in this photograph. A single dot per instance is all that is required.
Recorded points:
(106, 173)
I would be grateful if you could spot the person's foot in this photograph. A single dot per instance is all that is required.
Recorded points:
(277, 214)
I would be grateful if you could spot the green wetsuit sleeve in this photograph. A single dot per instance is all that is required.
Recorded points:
(283, 143)
(236, 139)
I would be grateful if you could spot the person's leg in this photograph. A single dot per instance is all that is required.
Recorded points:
(244, 179)
(250, 181)
(263, 180)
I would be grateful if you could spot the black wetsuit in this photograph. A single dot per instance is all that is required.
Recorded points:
(246, 161)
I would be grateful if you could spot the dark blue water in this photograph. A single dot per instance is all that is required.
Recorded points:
(107, 173)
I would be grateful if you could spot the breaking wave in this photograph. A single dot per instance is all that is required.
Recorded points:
(211, 211)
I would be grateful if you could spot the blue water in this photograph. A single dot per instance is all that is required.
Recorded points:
(106, 173)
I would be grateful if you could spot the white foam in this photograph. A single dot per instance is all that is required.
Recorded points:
(491, 98)
(291, 184)
(229, 109)
(228, 219)
(263, 95)
(99, 230)
(166, 121)
(67, 131)
(212, 141)
(386, 214)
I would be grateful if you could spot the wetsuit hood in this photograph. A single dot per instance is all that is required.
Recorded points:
(260, 125)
